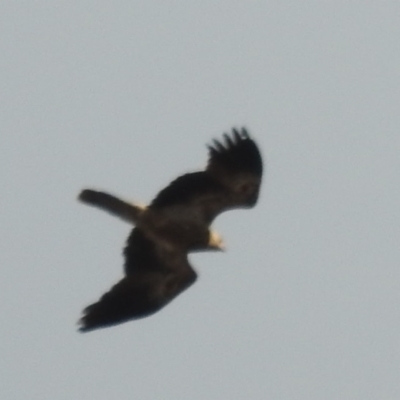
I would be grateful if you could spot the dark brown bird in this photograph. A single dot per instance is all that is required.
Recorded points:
(175, 223)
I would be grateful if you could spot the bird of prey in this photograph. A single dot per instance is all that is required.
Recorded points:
(176, 223)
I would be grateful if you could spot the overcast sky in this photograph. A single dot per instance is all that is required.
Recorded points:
(124, 96)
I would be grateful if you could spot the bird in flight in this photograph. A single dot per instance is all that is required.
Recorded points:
(176, 223)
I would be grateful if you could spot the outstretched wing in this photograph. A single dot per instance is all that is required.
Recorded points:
(237, 165)
(232, 179)
(154, 277)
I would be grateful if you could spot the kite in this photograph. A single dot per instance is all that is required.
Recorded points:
(176, 223)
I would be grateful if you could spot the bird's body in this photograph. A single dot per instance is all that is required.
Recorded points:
(175, 223)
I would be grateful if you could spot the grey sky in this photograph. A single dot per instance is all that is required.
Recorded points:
(123, 96)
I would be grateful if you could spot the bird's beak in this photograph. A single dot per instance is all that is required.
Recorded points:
(221, 247)
(216, 241)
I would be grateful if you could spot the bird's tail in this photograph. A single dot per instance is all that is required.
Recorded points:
(127, 211)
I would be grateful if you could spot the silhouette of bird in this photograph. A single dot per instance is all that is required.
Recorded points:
(175, 223)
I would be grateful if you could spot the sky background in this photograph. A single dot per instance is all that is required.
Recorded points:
(123, 96)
